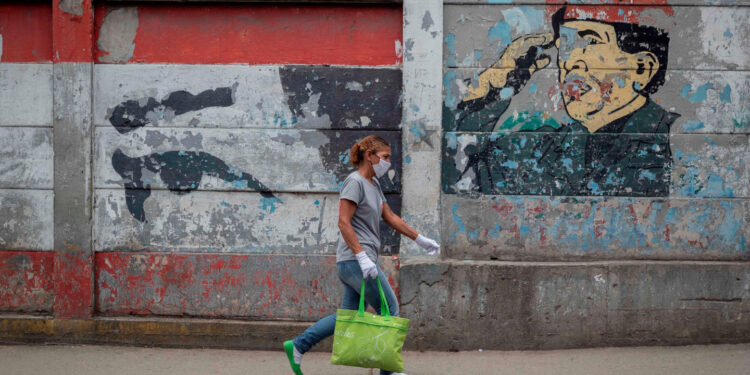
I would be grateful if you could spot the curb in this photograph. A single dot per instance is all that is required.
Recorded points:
(152, 331)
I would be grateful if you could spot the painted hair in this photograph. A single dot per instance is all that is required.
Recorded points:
(370, 143)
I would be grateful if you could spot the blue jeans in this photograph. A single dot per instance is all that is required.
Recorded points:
(351, 275)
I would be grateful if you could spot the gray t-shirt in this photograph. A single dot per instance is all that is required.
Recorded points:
(366, 220)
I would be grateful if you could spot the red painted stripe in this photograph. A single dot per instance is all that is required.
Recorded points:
(263, 34)
(26, 281)
(73, 284)
(72, 33)
(26, 29)
(215, 284)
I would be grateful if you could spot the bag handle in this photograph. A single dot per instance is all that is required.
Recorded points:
(383, 301)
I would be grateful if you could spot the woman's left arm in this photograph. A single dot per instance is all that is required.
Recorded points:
(400, 226)
(395, 222)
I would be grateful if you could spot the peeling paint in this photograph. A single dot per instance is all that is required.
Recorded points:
(74, 7)
(269, 34)
(560, 228)
(73, 281)
(427, 21)
(26, 282)
(117, 32)
(302, 288)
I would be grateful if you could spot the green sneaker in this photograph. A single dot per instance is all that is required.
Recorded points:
(289, 349)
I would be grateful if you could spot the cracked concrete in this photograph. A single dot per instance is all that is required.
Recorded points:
(544, 305)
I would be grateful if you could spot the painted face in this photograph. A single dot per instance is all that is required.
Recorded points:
(598, 80)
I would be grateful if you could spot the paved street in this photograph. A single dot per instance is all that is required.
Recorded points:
(118, 360)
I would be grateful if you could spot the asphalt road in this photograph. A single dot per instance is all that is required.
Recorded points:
(120, 360)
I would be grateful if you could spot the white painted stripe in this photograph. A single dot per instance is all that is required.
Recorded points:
(218, 222)
(26, 158)
(257, 93)
(258, 96)
(282, 160)
(25, 94)
(26, 219)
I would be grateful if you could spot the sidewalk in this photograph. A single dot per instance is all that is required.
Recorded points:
(121, 360)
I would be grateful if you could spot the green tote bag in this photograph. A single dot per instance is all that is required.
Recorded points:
(368, 340)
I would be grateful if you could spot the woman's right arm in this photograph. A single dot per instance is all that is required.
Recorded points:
(346, 211)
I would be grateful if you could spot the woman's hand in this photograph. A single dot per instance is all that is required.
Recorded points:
(369, 270)
(431, 246)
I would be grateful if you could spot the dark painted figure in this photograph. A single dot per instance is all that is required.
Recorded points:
(130, 115)
(180, 171)
(350, 97)
(364, 98)
(618, 140)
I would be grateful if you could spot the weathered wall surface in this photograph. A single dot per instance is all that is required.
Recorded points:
(610, 139)
(585, 168)
(196, 156)
(567, 127)
(536, 305)
(26, 158)
(216, 141)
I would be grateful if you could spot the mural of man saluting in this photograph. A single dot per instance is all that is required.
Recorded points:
(610, 61)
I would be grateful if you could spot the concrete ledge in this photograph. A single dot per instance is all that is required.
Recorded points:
(465, 305)
(155, 331)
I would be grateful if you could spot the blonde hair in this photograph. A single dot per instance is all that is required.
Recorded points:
(370, 143)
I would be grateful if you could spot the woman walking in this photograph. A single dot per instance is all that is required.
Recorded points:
(361, 205)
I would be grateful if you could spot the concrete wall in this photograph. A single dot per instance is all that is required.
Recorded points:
(184, 154)
(196, 156)
(26, 159)
(188, 164)
(570, 217)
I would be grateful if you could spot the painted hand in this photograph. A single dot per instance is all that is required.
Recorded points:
(431, 246)
(520, 60)
(369, 270)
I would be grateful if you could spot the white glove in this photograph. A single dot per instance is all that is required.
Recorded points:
(431, 246)
(369, 270)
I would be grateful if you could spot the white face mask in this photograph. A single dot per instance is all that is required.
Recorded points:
(381, 167)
